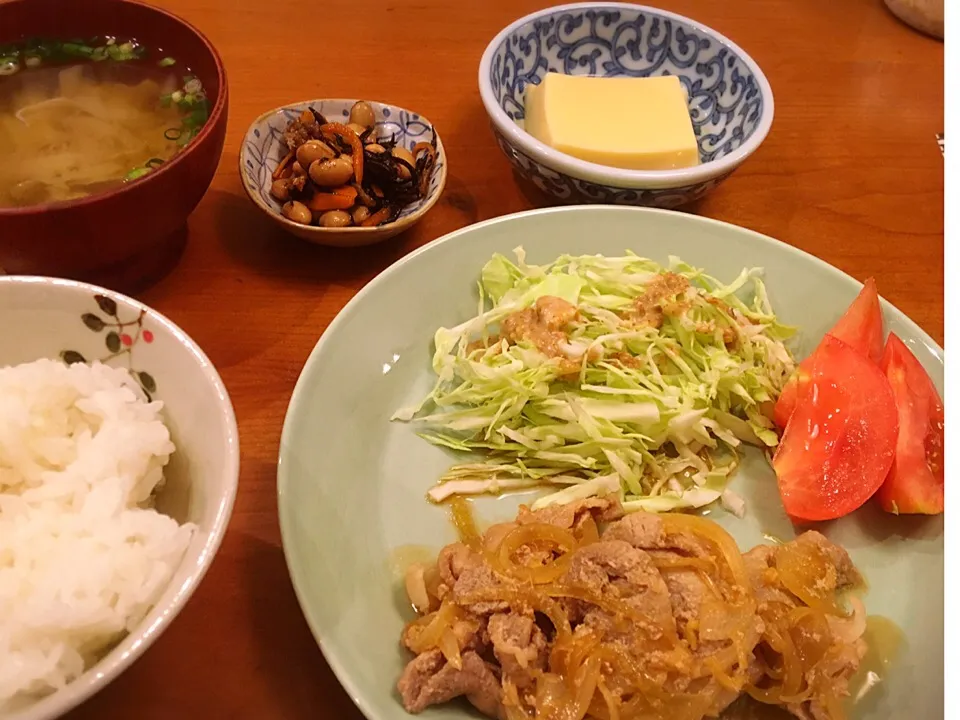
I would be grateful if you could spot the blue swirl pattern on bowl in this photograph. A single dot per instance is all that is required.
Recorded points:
(726, 101)
(572, 190)
(264, 147)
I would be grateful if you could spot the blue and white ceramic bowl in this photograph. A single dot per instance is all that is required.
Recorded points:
(731, 103)
(263, 149)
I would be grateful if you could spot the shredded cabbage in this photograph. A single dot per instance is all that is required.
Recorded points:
(648, 395)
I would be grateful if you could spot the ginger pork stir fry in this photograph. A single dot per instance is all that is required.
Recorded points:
(660, 617)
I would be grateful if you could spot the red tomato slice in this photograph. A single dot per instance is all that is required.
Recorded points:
(861, 327)
(915, 482)
(787, 402)
(839, 444)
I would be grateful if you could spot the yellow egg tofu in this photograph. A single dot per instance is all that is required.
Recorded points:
(628, 123)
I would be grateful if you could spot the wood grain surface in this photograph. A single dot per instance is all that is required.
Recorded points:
(850, 172)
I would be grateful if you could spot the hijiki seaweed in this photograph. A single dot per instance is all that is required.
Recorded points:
(338, 175)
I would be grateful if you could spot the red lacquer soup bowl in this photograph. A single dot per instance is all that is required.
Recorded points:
(127, 236)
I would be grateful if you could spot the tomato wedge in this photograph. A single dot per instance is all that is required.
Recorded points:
(861, 327)
(915, 482)
(840, 441)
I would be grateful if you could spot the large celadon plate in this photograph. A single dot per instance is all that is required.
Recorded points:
(352, 484)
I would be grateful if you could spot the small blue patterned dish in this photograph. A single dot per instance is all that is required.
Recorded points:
(730, 100)
(263, 149)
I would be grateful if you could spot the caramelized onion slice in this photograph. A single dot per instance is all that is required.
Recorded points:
(433, 581)
(568, 697)
(690, 635)
(552, 699)
(721, 675)
(461, 513)
(676, 523)
(811, 635)
(680, 706)
(781, 643)
(538, 536)
(767, 696)
(512, 706)
(792, 670)
(434, 626)
(611, 701)
(524, 598)
(720, 620)
(451, 648)
(415, 582)
(807, 572)
(616, 607)
(627, 668)
(585, 685)
(834, 707)
(850, 629)
(589, 532)
(682, 562)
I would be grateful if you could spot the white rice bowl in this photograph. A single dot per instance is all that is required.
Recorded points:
(83, 554)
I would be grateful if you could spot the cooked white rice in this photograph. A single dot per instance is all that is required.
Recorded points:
(83, 557)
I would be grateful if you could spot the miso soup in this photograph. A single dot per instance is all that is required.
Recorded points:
(69, 129)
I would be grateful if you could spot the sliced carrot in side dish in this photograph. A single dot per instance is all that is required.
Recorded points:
(278, 173)
(860, 328)
(423, 147)
(347, 191)
(349, 137)
(339, 199)
(378, 217)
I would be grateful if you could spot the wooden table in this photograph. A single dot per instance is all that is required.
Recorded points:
(850, 172)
